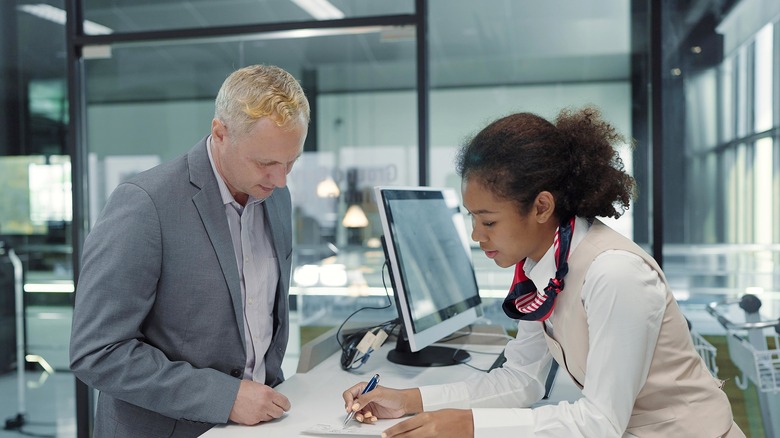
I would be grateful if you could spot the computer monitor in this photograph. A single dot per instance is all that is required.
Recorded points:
(430, 267)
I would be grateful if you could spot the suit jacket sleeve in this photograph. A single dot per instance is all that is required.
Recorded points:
(115, 310)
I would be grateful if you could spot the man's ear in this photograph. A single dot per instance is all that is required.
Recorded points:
(544, 206)
(218, 130)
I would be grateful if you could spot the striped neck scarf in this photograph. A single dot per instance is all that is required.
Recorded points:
(524, 301)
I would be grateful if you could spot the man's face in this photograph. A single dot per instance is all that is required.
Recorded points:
(256, 162)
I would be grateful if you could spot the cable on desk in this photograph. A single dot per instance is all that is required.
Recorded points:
(350, 357)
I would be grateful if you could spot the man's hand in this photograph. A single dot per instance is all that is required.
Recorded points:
(452, 423)
(256, 403)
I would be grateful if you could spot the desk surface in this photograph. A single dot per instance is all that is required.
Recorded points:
(315, 396)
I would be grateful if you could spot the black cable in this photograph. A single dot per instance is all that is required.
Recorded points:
(480, 352)
(349, 351)
(389, 303)
(472, 366)
(348, 363)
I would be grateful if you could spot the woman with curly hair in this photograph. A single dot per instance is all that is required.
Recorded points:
(606, 313)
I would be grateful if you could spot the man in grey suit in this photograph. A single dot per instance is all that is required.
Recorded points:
(181, 317)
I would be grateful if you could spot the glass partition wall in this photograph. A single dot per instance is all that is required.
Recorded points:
(361, 135)
(720, 69)
(36, 264)
(549, 56)
(394, 94)
(149, 97)
(721, 130)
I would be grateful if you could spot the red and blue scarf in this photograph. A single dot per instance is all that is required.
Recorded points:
(524, 300)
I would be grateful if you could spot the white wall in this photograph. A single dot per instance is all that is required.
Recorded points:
(166, 129)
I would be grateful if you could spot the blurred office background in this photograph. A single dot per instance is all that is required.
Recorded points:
(93, 91)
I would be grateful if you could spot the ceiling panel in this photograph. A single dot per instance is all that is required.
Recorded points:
(490, 42)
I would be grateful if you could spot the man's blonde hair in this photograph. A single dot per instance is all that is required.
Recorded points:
(257, 91)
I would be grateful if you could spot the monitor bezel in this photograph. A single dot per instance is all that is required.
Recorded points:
(419, 339)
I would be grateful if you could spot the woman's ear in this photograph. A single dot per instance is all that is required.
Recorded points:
(544, 206)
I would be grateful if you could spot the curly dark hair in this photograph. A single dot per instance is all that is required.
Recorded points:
(521, 155)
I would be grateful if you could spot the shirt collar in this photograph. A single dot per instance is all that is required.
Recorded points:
(542, 271)
(227, 197)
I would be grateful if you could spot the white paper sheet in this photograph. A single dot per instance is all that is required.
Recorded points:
(353, 429)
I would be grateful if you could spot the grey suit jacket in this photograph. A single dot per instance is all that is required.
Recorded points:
(158, 320)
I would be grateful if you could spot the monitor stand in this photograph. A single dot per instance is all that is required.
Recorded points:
(431, 356)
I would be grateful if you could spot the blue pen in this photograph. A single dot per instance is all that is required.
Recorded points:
(370, 387)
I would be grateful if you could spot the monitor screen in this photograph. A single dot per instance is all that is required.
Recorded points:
(430, 266)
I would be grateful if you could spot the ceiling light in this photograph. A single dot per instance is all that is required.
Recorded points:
(57, 15)
(320, 9)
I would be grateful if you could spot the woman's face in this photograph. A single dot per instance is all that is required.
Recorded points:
(506, 235)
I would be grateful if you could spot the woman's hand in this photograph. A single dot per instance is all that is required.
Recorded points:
(381, 402)
(455, 423)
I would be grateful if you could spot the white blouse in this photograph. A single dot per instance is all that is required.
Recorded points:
(624, 300)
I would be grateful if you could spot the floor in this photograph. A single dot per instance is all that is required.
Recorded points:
(49, 406)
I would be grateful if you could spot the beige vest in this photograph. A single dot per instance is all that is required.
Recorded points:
(680, 398)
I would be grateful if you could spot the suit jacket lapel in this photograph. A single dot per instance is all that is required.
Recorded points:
(275, 221)
(212, 212)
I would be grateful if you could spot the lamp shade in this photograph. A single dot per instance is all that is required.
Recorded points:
(328, 188)
(355, 217)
